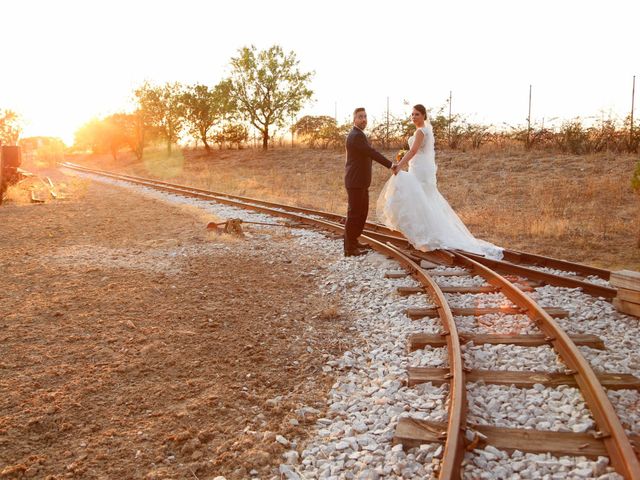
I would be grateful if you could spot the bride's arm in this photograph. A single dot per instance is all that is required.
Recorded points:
(414, 149)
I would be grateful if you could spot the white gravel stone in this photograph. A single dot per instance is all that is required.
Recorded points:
(596, 316)
(512, 357)
(527, 465)
(462, 281)
(368, 397)
(474, 300)
(533, 408)
(627, 405)
(498, 324)
(291, 457)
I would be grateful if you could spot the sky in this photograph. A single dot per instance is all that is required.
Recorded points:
(65, 62)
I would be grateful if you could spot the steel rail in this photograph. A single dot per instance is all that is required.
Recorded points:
(511, 256)
(454, 444)
(516, 257)
(618, 445)
(616, 442)
(549, 278)
(457, 414)
(331, 216)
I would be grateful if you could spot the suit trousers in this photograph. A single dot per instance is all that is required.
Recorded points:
(357, 211)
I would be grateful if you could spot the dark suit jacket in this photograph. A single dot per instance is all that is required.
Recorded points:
(359, 156)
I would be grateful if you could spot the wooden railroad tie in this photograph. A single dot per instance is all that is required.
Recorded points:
(396, 274)
(412, 432)
(405, 291)
(445, 273)
(511, 270)
(451, 273)
(628, 295)
(421, 340)
(631, 296)
(438, 376)
(627, 307)
(416, 313)
(626, 279)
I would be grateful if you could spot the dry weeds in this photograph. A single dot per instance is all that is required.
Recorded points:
(580, 208)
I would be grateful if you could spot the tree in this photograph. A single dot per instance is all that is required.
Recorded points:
(10, 127)
(101, 136)
(133, 130)
(89, 136)
(312, 128)
(321, 131)
(204, 107)
(162, 108)
(268, 87)
(334, 135)
(233, 134)
(394, 132)
(113, 133)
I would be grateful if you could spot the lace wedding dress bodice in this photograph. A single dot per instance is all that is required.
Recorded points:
(411, 204)
(423, 164)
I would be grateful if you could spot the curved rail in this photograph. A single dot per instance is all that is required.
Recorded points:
(618, 446)
(135, 179)
(549, 278)
(617, 443)
(454, 443)
(511, 256)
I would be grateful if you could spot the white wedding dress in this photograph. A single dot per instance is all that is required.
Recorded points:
(411, 204)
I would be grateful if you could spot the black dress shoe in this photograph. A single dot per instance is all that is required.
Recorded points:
(356, 252)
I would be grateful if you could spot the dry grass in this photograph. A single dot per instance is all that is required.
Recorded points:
(580, 208)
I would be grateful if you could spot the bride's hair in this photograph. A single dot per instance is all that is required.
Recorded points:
(422, 110)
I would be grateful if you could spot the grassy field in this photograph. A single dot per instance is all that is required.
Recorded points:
(580, 208)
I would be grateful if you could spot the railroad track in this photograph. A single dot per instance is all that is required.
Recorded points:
(511, 279)
(573, 275)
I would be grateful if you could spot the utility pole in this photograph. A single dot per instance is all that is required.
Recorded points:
(449, 133)
(529, 121)
(633, 101)
(386, 141)
(335, 111)
(292, 129)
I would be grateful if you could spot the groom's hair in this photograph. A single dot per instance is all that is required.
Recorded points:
(359, 109)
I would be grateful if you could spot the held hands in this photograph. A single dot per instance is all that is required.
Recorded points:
(398, 164)
(396, 167)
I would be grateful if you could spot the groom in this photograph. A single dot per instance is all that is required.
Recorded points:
(357, 180)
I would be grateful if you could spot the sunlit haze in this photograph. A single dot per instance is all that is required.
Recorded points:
(65, 62)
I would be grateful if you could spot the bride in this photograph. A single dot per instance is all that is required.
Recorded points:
(411, 203)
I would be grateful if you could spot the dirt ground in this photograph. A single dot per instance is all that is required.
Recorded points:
(135, 344)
